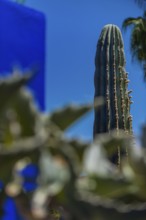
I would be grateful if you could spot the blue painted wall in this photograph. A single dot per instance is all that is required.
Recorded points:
(22, 42)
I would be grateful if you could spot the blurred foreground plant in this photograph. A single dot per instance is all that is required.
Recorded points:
(52, 177)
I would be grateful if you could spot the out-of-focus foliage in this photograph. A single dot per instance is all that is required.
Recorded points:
(52, 177)
(138, 36)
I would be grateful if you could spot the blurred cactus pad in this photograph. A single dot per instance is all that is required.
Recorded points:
(111, 82)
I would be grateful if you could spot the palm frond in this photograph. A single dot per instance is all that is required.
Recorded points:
(132, 21)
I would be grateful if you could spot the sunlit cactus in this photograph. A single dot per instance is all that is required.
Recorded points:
(111, 82)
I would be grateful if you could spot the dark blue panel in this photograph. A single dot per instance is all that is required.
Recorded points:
(10, 211)
(22, 41)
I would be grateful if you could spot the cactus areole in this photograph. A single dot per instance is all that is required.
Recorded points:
(111, 82)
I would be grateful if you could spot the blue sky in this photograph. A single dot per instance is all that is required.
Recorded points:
(73, 28)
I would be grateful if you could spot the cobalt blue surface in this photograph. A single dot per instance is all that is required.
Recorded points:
(31, 171)
(29, 184)
(22, 42)
(29, 175)
(10, 211)
(1, 185)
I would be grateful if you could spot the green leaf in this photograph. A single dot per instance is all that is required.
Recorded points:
(111, 141)
(11, 84)
(26, 112)
(20, 118)
(79, 147)
(104, 209)
(28, 147)
(66, 116)
(107, 187)
(137, 164)
(58, 170)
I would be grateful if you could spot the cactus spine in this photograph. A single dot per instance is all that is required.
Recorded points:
(111, 82)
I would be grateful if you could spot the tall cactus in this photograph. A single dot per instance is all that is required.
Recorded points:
(111, 82)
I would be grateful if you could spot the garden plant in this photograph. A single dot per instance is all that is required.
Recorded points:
(50, 176)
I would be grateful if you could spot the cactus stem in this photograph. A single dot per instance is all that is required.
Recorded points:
(111, 82)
